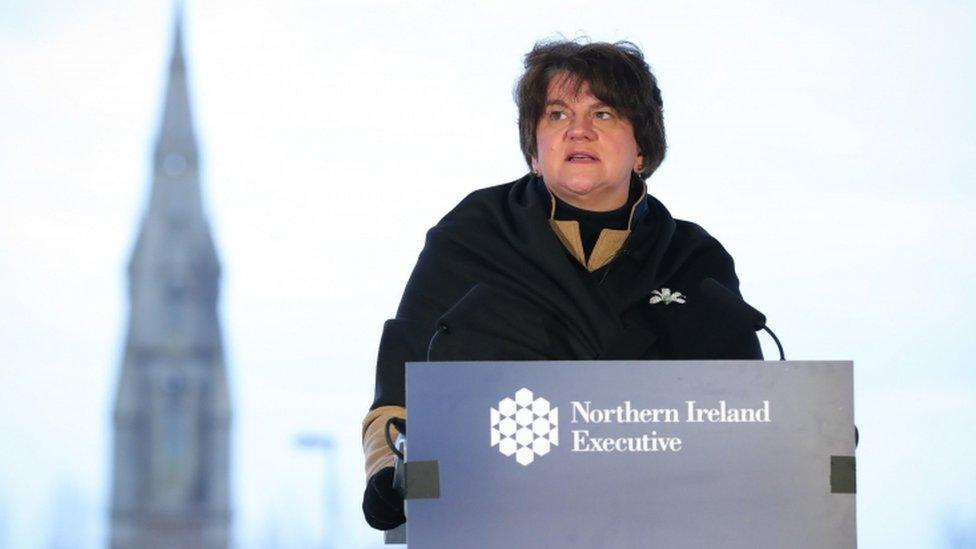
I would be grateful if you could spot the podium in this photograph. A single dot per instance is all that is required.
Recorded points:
(632, 454)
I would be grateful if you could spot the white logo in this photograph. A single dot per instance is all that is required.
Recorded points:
(524, 427)
(665, 296)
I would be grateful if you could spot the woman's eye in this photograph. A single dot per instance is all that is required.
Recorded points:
(603, 115)
(556, 115)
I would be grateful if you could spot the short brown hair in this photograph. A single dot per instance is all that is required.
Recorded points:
(617, 75)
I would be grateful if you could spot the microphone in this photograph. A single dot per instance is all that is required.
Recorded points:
(738, 308)
(399, 447)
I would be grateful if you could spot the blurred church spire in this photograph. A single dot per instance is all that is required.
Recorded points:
(170, 472)
(176, 131)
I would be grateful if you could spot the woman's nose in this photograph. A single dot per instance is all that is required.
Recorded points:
(581, 127)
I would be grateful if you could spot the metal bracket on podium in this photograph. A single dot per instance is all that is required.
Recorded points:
(396, 536)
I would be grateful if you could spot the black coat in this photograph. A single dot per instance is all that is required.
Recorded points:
(493, 282)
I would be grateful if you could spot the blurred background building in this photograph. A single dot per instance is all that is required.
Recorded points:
(170, 472)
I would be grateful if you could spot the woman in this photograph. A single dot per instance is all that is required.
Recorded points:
(574, 261)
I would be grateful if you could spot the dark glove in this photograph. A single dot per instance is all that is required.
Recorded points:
(382, 504)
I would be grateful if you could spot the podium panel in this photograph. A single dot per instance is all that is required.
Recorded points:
(635, 454)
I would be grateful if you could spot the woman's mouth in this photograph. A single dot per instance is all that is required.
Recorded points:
(583, 157)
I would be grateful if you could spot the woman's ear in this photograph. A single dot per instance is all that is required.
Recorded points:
(535, 165)
(639, 163)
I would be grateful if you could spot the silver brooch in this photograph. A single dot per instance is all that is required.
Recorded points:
(666, 296)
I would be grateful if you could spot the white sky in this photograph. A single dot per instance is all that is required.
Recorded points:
(830, 147)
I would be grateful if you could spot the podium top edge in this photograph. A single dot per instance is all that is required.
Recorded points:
(836, 363)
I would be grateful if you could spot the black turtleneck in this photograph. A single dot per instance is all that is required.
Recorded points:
(592, 223)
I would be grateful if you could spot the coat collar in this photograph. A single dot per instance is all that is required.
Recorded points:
(610, 241)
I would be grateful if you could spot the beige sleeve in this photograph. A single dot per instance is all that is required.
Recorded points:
(377, 451)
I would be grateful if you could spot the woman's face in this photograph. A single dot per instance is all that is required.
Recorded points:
(586, 150)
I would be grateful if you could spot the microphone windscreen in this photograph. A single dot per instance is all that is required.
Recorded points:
(713, 290)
